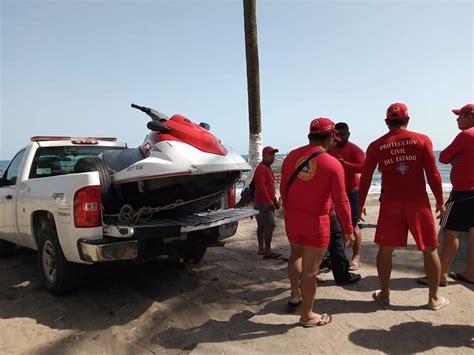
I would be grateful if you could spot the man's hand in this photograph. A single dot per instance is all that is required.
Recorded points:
(349, 239)
(456, 159)
(363, 211)
(440, 209)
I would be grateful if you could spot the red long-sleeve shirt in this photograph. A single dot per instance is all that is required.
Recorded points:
(264, 185)
(354, 158)
(462, 172)
(310, 193)
(403, 158)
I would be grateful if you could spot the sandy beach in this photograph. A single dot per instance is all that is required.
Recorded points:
(232, 302)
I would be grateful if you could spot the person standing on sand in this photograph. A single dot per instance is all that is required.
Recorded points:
(266, 203)
(309, 178)
(459, 216)
(352, 159)
(404, 157)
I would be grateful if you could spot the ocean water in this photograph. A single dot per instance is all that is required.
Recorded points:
(376, 185)
(376, 180)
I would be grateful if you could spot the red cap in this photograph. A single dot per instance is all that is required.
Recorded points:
(465, 110)
(397, 111)
(269, 150)
(323, 125)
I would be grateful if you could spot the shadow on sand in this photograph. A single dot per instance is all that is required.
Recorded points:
(414, 337)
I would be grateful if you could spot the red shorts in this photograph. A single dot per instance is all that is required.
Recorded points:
(397, 218)
(308, 230)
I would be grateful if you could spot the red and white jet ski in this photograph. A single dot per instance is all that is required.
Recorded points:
(180, 168)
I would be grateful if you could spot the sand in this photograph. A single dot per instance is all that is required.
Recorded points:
(232, 302)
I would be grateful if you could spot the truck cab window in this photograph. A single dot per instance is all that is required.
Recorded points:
(11, 174)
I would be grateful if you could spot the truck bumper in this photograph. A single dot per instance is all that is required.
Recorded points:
(99, 250)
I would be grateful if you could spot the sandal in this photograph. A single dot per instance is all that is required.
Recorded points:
(325, 319)
(376, 297)
(424, 281)
(459, 277)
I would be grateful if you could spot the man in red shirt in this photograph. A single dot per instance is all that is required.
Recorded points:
(459, 216)
(352, 159)
(265, 202)
(403, 158)
(306, 196)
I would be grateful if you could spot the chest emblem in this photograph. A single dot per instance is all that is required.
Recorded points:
(403, 168)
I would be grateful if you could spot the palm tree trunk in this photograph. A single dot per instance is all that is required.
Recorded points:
(253, 83)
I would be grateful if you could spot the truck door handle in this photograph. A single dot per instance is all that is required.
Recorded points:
(8, 197)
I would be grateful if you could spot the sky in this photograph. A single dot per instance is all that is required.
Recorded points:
(74, 67)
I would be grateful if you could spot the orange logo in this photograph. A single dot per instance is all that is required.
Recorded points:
(308, 171)
(395, 109)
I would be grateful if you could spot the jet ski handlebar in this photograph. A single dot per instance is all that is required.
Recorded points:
(155, 115)
(157, 118)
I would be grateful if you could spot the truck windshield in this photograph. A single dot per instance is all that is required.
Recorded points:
(52, 161)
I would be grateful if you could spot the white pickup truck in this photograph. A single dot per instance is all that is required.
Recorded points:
(44, 206)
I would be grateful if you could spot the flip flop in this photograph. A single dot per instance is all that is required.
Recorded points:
(458, 276)
(355, 266)
(438, 307)
(424, 281)
(325, 319)
(273, 255)
(376, 297)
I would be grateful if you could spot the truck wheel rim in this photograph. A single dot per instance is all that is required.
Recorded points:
(49, 261)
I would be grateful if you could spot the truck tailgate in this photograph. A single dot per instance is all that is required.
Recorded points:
(184, 224)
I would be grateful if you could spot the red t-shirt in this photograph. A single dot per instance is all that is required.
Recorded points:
(353, 162)
(403, 158)
(310, 193)
(462, 173)
(264, 185)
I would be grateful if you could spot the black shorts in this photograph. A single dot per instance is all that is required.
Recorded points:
(459, 214)
(354, 201)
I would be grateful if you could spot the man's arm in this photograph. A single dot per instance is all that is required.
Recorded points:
(357, 161)
(261, 186)
(285, 175)
(432, 172)
(340, 200)
(366, 178)
(452, 150)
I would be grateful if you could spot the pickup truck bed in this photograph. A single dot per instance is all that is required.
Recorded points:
(151, 238)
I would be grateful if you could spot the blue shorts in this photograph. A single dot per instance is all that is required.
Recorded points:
(354, 201)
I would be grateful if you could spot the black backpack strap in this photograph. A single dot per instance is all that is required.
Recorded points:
(300, 167)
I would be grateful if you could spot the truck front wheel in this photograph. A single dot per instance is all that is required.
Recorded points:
(6, 249)
(59, 276)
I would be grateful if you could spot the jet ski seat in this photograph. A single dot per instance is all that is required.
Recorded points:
(118, 160)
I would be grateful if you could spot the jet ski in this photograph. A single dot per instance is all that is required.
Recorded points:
(180, 168)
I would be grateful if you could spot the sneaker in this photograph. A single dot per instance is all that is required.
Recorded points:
(352, 279)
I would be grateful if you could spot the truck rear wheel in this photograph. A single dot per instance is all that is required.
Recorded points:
(194, 253)
(6, 249)
(85, 165)
(59, 276)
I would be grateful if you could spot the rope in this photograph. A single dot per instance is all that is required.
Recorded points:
(128, 215)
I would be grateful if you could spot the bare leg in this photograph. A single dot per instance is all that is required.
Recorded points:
(384, 269)
(312, 258)
(450, 248)
(469, 272)
(294, 272)
(356, 246)
(433, 273)
(260, 238)
(268, 235)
